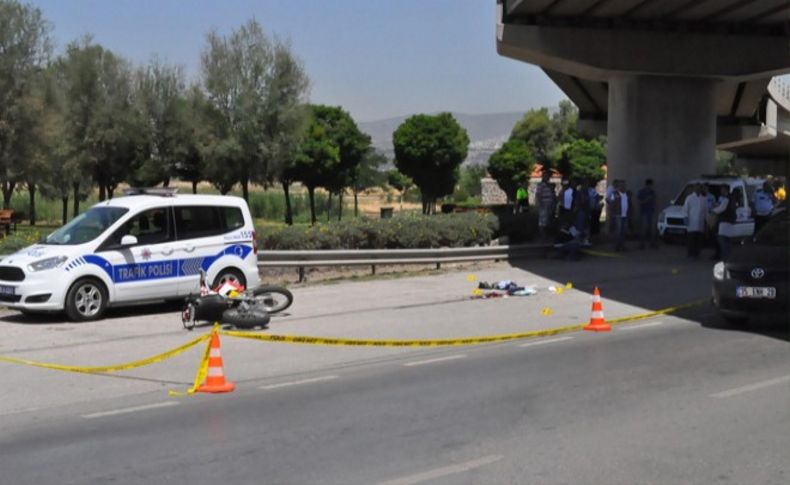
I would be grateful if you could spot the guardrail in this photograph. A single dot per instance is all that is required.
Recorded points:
(375, 257)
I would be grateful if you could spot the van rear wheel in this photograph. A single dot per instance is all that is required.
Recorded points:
(229, 274)
(86, 300)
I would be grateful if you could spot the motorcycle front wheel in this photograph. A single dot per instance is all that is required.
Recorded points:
(273, 299)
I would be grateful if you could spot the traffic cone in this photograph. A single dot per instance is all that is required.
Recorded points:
(597, 321)
(215, 379)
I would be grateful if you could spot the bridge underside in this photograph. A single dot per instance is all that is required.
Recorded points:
(667, 80)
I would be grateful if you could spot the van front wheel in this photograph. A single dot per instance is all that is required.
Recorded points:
(86, 300)
(229, 274)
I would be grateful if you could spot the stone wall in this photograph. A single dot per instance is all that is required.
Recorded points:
(491, 193)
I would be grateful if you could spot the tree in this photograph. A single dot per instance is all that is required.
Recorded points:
(511, 166)
(255, 84)
(469, 182)
(192, 114)
(429, 149)
(317, 158)
(160, 96)
(24, 51)
(367, 175)
(352, 145)
(585, 159)
(400, 182)
(564, 123)
(537, 131)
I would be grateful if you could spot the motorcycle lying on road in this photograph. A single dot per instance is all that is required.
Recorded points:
(232, 304)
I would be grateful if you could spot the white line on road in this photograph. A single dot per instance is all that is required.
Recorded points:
(431, 361)
(547, 341)
(641, 325)
(298, 383)
(444, 471)
(134, 409)
(753, 387)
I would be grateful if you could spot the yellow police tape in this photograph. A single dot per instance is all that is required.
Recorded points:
(109, 368)
(299, 339)
(202, 370)
(302, 339)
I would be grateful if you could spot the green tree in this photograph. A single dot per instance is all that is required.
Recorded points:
(538, 132)
(429, 149)
(469, 182)
(352, 147)
(400, 182)
(564, 123)
(255, 84)
(585, 159)
(317, 158)
(192, 128)
(24, 51)
(367, 175)
(160, 93)
(511, 166)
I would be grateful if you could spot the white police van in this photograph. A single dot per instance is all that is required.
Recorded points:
(149, 245)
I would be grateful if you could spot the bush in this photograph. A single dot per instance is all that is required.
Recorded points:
(399, 232)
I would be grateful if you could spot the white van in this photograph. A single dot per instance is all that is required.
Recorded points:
(149, 245)
(672, 221)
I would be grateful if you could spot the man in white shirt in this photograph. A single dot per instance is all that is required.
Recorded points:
(695, 208)
(619, 203)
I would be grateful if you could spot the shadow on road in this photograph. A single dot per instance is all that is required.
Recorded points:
(653, 279)
(141, 310)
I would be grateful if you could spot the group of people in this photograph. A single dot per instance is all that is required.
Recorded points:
(709, 216)
(576, 207)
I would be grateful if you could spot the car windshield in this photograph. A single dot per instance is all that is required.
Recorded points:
(86, 226)
(775, 233)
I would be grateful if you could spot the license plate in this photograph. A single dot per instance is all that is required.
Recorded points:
(7, 290)
(755, 292)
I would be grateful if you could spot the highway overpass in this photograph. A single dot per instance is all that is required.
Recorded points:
(667, 80)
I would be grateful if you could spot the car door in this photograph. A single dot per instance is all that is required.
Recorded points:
(198, 242)
(744, 217)
(147, 269)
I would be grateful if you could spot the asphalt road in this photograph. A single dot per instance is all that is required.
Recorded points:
(672, 399)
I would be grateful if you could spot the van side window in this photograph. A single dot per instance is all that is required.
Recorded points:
(149, 227)
(197, 221)
(736, 197)
(234, 219)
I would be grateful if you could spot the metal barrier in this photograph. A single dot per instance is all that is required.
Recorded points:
(375, 257)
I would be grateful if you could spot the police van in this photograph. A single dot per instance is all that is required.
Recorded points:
(149, 245)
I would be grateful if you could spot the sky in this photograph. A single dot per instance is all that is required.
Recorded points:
(375, 58)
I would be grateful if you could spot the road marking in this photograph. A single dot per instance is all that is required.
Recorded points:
(641, 325)
(298, 383)
(431, 361)
(547, 341)
(444, 471)
(133, 409)
(753, 387)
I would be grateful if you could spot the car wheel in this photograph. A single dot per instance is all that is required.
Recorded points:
(229, 274)
(86, 300)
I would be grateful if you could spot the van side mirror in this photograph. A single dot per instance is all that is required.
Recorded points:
(128, 240)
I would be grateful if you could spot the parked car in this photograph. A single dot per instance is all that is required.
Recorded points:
(149, 245)
(672, 222)
(755, 277)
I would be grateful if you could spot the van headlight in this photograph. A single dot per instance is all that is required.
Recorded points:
(719, 272)
(47, 263)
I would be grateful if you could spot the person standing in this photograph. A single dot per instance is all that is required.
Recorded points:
(546, 198)
(763, 205)
(596, 206)
(647, 210)
(582, 207)
(566, 203)
(522, 200)
(695, 208)
(619, 202)
(725, 210)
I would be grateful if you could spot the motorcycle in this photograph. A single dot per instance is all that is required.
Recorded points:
(233, 304)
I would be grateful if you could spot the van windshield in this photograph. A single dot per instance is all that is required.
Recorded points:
(87, 226)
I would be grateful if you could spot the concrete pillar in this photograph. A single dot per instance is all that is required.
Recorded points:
(662, 128)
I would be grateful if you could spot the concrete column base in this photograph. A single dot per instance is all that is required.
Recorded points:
(662, 128)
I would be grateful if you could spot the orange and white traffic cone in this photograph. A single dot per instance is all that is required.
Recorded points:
(215, 379)
(597, 321)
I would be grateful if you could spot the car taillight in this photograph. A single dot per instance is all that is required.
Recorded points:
(254, 243)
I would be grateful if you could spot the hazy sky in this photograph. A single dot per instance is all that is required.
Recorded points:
(376, 58)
